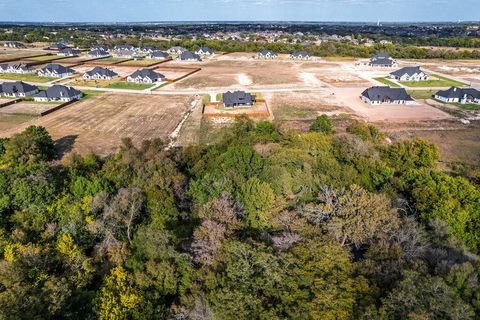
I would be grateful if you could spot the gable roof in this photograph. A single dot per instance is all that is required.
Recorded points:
(159, 54)
(458, 93)
(205, 50)
(301, 54)
(18, 87)
(267, 52)
(187, 55)
(382, 59)
(98, 53)
(237, 97)
(100, 47)
(102, 72)
(380, 93)
(58, 91)
(147, 73)
(57, 68)
(70, 51)
(410, 71)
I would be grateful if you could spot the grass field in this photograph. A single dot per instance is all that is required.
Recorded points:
(422, 94)
(25, 77)
(128, 85)
(436, 81)
(387, 82)
(8, 121)
(469, 107)
(45, 58)
(141, 63)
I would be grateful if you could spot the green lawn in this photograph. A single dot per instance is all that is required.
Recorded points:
(129, 86)
(422, 94)
(387, 82)
(469, 107)
(45, 58)
(436, 81)
(87, 94)
(25, 77)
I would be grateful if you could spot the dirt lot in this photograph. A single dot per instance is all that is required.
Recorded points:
(27, 108)
(100, 123)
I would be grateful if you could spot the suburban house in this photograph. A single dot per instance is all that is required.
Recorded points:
(18, 89)
(267, 54)
(58, 93)
(158, 55)
(409, 74)
(100, 47)
(383, 60)
(123, 53)
(57, 46)
(146, 49)
(238, 99)
(189, 56)
(205, 51)
(14, 44)
(459, 95)
(125, 47)
(55, 71)
(98, 53)
(176, 50)
(99, 73)
(300, 55)
(145, 76)
(386, 95)
(19, 68)
(68, 52)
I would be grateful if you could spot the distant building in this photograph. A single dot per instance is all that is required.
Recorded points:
(14, 44)
(238, 99)
(54, 70)
(267, 54)
(145, 76)
(18, 68)
(386, 95)
(205, 51)
(99, 73)
(383, 60)
(409, 74)
(146, 50)
(98, 54)
(160, 55)
(189, 56)
(68, 52)
(57, 46)
(18, 89)
(300, 55)
(125, 47)
(58, 93)
(459, 95)
(100, 47)
(176, 50)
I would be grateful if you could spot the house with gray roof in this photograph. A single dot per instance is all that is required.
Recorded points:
(98, 54)
(205, 51)
(146, 49)
(300, 55)
(58, 93)
(14, 44)
(57, 46)
(383, 60)
(459, 95)
(18, 89)
(267, 54)
(99, 73)
(409, 74)
(159, 55)
(238, 99)
(68, 52)
(189, 56)
(100, 47)
(18, 68)
(55, 70)
(176, 50)
(125, 47)
(145, 76)
(386, 95)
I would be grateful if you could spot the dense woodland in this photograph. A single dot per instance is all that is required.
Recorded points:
(266, 224)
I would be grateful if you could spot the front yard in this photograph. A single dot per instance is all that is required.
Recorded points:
(129, 85)
(435, 81)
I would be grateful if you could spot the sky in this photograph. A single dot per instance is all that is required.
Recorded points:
(239, 10)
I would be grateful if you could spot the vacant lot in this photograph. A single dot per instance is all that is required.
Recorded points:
(28, 108)
(99, 124)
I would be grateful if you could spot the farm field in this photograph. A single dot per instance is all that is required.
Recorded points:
(98, 124)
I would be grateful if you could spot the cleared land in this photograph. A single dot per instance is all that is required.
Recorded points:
(99, 124)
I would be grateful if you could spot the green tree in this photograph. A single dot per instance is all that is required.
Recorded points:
(258, 200)
(322, 124)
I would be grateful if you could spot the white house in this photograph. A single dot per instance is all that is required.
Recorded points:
(54, 70)
(99, 73)
(459, 95)
(409, 74)
(58, 93)
(145, 76)
(18, 89)
(383, 60)
(205, 51)
(300, 55)
(267, 54)
(19, 68)
(386, 95)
